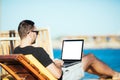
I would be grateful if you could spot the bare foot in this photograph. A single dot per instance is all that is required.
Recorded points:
(116, 76)
(105, 78)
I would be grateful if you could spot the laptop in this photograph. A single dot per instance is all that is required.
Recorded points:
(72, 52)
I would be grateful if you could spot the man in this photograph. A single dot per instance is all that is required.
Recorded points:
(28, 33)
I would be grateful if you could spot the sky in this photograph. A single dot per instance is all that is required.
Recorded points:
(63, 17)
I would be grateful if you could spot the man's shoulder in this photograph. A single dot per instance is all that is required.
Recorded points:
(18, 48)
(27, 48)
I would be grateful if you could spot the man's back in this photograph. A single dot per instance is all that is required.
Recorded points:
(38, 52)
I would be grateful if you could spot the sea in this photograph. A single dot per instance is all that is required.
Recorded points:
(109, 56)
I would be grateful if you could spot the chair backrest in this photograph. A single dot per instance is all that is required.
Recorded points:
(20, 67)
(4, 47)
(8, 41)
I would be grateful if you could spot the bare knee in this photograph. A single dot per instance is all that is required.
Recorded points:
(88, 60)
(92, 56)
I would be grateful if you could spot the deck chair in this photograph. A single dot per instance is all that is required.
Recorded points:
(21, 68)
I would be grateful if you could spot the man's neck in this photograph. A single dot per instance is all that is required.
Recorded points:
(25, 42)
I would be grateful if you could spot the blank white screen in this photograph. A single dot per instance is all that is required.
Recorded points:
(72, 50)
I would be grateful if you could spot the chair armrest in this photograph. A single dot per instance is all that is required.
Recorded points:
(41, 68)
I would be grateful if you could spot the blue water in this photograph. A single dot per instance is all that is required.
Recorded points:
(111, 57)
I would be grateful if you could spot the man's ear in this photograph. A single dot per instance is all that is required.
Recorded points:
(29, 34)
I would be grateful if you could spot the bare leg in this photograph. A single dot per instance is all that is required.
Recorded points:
(95, 66)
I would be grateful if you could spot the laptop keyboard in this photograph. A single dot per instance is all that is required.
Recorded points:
(68, 64)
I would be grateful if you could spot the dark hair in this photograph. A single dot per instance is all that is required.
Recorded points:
(25, 27)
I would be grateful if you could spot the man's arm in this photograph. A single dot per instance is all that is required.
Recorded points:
(56, 68)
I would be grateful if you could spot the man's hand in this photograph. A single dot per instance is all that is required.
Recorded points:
(58, 63)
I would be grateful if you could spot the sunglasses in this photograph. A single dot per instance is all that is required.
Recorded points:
(35, 32)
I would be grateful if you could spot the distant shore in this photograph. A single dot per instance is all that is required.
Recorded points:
(107, 41)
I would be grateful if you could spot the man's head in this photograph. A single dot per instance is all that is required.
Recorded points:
(27, 28)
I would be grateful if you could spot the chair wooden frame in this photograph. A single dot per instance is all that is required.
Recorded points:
(20, 67)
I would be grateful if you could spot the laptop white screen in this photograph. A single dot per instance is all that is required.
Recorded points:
(72, 50)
